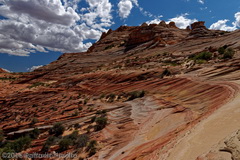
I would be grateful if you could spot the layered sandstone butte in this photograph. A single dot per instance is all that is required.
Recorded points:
(162, 100)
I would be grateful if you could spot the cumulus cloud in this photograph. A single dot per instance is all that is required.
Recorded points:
(125, 7)
(237, 22)
(221, 25)
(32, 25)
(182, 21)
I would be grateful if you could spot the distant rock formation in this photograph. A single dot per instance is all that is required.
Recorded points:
(3, 70)
(200, 30)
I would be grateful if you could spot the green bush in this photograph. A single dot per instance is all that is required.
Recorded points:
(64, 144)
(19, 144)
(73, 136)
(82, 141)
(91, 148)
(57, 129)
(228, 54)
(37, 84)
(35, 133)
(49, 142)
(203, 56)
(101, 122)
(221, 50)
(136, 94)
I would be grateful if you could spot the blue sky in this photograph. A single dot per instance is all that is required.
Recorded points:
(37, 32)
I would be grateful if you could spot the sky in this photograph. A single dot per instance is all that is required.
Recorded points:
(34, 33)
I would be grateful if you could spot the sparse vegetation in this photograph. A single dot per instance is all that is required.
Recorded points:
(136, 94)
(101, 122)
(17, 145)
(91, 148)
(166, 72)
(57, 129)
(202, 56)
(228, 54)
(8, 78)
(82, 141)
(50, 141)
(64, 144)
(111, 97)
(37, 84)
(35, 133)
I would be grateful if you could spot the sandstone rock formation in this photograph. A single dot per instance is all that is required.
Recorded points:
(160, 97)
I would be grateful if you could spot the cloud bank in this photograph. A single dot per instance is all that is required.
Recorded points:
(41, 25)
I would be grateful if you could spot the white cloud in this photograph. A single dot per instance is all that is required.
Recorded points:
(154, 21)
(125, 7)
(34, 68)
(237, 22)
(182, 21)
(221, 25)
(32, 25)
(201, 1)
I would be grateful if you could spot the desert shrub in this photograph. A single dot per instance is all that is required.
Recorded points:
(82, 141)
(64, 144)
(57, 129)
(111, 97)
(221, 50)
(101, 122)
(91, 148)
(93, 119)
(136, 94)
(203, 56)
(37, 84)
(5, 150)
(19, 144)
(35, 133)
(102, 96)
(49, 142)
(73, 136)
(77, 125)
(228, 54)
(166, 72)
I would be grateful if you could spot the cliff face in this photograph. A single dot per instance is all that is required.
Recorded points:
(155, 84)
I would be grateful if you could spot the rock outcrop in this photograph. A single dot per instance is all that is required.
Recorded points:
(146, 82)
